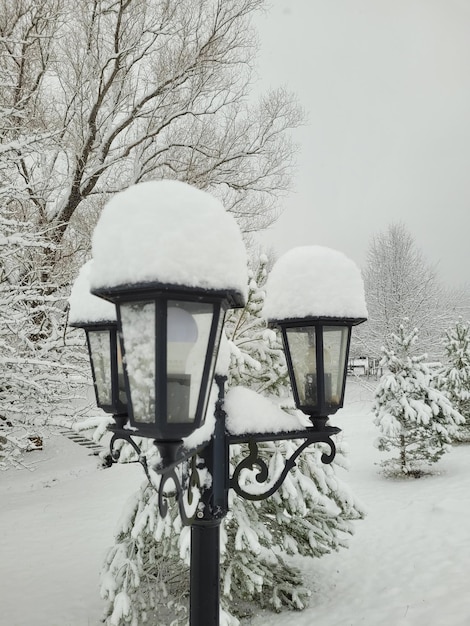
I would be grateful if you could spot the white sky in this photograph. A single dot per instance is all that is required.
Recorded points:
(386, 86)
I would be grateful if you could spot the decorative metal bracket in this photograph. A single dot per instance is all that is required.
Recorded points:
(213, 503)
(181, 487)
(188, 482)
(254, 460)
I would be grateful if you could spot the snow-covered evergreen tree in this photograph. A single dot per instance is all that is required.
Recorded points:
(416, 420)
(311, 515)
(454, 379)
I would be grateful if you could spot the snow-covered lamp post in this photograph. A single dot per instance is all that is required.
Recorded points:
(172, 261)
(98, 318)
(314, 296)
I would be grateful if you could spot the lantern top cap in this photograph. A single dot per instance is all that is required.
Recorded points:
(168, 232)
(86, 308)
(315, 282)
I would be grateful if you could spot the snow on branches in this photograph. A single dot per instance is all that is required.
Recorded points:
(415, 418)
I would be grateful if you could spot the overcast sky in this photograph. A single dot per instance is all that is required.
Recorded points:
(386, 86)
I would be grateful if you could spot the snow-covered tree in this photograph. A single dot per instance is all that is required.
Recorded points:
(42, 371)
(97, 96)
(416, 420)
(256, 352)
(454, 378)
(311, 515)
(114, 92)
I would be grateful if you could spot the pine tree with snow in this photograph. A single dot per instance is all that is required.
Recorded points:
(146, 571)
(416, 420)
(454, 379)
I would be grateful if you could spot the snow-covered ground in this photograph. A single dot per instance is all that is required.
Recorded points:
(408, 564)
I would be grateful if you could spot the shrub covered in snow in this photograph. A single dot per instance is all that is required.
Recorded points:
(416, 420)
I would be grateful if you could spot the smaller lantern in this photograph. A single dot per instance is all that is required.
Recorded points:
(98, 319)
(314, 297)
(317, 355)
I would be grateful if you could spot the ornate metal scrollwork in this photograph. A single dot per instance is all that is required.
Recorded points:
(184, 482)
(255, 461)
(182, 487)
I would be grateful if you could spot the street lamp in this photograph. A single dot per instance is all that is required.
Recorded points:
(98, 318)
(180, 264)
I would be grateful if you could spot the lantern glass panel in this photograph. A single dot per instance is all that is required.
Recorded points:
(100, 354)
(335, 343)
(302, 347)
(188, 333)
(122, 394)
(138, 327)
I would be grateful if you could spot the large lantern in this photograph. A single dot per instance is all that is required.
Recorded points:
(98, 319)
(172, 261)
(171, 338)
(315, 296)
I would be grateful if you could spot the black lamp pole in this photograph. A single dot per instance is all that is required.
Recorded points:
(205, 528)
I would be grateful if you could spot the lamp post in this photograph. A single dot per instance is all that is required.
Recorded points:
(185, 264)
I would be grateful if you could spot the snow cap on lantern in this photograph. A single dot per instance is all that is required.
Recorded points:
(168, 232)
(85, 308)
(314, 281)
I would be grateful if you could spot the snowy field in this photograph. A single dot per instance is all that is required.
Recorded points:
(408, 564)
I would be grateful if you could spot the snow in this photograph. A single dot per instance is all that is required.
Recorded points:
(169, 232)
(249, 412)
(314, 281)
(407, 564)
(86, 308)
(55, 526)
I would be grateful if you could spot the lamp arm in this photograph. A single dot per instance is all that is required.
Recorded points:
(254, 460)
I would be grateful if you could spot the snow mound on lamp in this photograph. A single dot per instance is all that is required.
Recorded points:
(168, 232)
(314, 281)
(85, 308)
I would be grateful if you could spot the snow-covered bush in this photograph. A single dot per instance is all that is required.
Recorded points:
(416, 420)
(454, 378)
(42, 369)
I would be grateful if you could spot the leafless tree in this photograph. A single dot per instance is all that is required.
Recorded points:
(119, 91)
(97, 95)
(401, 285)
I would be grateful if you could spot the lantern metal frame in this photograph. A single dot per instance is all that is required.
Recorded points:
(322, 409)
(116, 406)
(160, 294)
(207, 513)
